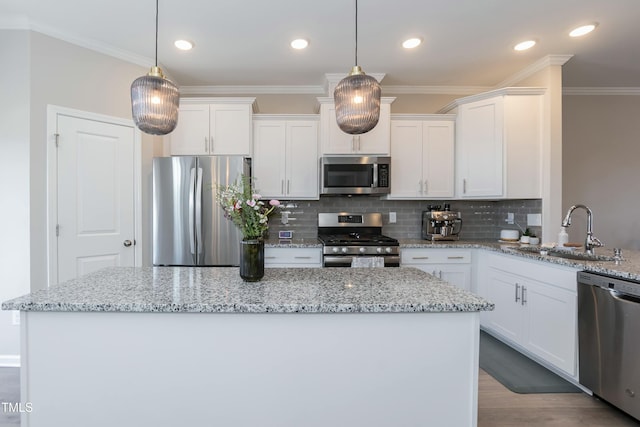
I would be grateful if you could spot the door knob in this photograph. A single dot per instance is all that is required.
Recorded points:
(127, 243)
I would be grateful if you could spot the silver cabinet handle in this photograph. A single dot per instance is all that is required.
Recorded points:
(211, 144)
(282, 186)
(433, 272)
(420, 185)
(302, 257)
(517, 289)
(426, 187)
(269, 257)
(455, 257)
(288, 186)
(420, 257)
(464, 186)
(127, 243)
(524, 295)
(440, 274)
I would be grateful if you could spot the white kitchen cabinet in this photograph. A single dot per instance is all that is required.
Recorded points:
(450, 265)
(285, 156)
(499, 144)
(292, 257)
(335, 141)
(213, 126)
(422, 156)
(535, 307)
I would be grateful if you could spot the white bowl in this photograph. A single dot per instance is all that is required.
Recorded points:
(512, 235)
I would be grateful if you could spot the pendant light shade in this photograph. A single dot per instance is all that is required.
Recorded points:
(357, 99)
(155, 99)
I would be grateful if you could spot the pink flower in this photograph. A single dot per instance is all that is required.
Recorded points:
(251, 203)
(256, 196)
(274, 202)
(237, 206)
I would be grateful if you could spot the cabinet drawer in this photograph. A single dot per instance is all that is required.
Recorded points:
(292, 256)
(435, 256)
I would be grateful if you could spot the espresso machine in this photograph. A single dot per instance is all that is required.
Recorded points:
(441, 223)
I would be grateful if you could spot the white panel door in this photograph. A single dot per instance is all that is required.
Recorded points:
(191, 135)
(406, 158)
(302, 160)
(437, 159)
(230, 129)
(505, 291)
(96, 214)
(269, 158)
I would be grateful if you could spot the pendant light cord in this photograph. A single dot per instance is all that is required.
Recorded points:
(156, 33)
(356, 32)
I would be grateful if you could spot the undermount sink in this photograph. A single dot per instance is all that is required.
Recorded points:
(580, 256)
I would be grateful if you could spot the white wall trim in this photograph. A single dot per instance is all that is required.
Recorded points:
(434, 90)
(9, 360)
(601, 91)
(426, 117)
(53, 111)
(252, 90)
(541, 64)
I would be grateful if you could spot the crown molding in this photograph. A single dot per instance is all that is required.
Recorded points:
(423, 117)
(288, 117)
(601, 91)
(332, 80)
(491, 94)
(540, 64)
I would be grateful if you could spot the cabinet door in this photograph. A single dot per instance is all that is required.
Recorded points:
(551, 324)
(230, 129)
(191, 135)
(302, 160)
(377, 141)
(457, 275)
(334, 141)
(480, 149)
(406, 159)
(269, 159)
(505, 291)
(292, 257)
(437, 159)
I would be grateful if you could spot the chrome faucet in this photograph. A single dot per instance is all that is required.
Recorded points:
(591, 242)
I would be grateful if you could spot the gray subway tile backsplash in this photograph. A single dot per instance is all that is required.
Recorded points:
(481, 219)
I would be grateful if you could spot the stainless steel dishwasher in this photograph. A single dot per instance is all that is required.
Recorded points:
(609, 339)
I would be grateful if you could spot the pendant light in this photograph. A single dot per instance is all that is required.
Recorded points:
(357, 98)
(155, 99)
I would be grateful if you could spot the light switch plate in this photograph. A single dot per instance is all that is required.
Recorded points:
(534, 220)
(392, 218)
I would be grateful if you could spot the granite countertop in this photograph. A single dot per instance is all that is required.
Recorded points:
(629, 268)
(282, 290)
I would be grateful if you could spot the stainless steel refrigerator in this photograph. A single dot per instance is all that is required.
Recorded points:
(189, 227)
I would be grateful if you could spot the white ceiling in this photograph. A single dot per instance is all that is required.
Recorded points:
(466, 42)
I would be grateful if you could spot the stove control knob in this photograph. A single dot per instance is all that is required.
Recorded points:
(344, 250)
(335, 250)
(388, 250)
(379, 250)
(362, 250)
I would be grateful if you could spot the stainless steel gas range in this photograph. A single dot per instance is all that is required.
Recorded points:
(346, 236)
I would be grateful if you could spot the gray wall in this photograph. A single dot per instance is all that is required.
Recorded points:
(601, 158)
(481, 219)
(14, 180)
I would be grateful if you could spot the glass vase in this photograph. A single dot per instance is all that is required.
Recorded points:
(252, 260)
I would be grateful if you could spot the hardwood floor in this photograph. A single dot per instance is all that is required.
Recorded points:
(500, 407)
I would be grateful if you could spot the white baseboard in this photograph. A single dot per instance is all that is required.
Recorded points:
(9, 360)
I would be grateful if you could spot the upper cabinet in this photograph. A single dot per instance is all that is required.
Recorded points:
(499, 144)
(285, 156)
(213, 126)
(422, 156)
(335, 141)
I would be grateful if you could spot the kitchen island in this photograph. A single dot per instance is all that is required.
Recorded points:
(169, 346)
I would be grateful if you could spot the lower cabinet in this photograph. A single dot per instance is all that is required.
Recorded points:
(535, 307)
(292, 257)
(450, 265)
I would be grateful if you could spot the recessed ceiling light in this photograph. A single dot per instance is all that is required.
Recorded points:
(183, 44)
(581, 31)
(299, 43)
(411, 43)
(525, 45)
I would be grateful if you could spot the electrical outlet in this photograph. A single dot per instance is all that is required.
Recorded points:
(510, 218)
(15, 317)
(534, 220)
(392, 218)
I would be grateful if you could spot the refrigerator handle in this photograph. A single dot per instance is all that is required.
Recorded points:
(192, 188)
(199, 243)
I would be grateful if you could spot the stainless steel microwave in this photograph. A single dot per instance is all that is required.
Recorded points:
(355, 175)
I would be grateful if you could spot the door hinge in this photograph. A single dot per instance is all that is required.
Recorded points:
(57, 230)
(57, 139)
